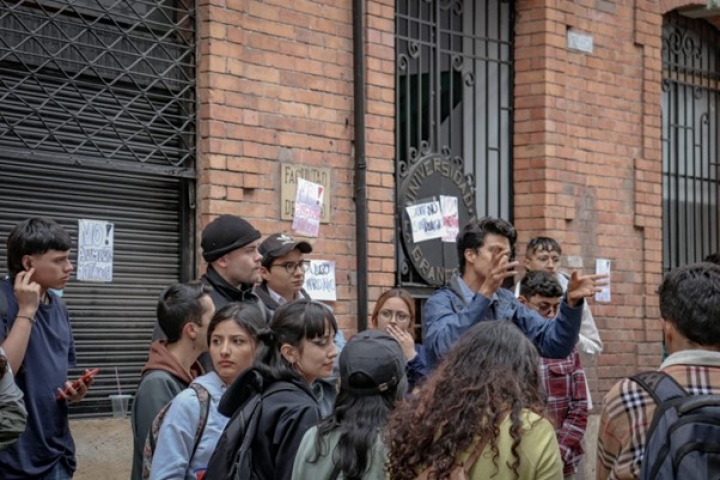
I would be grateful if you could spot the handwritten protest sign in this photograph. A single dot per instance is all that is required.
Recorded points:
(451, 221)
(308, 208)
(95, 251)
(320, 280)
(426, 221)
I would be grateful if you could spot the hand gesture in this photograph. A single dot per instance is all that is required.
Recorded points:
(501, 269)
(404, 339)
(583, 286)
(27, 293)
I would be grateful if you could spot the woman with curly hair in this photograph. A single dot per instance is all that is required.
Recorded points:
(482, 406)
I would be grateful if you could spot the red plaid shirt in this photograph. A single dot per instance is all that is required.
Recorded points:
(567, 405)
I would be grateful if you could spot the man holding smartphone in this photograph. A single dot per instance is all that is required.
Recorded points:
(36, 335)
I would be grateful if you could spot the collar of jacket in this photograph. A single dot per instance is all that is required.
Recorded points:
(242, 294)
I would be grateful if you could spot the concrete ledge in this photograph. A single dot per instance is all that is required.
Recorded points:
(104, 448)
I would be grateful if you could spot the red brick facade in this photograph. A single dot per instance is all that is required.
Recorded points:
(275, 84)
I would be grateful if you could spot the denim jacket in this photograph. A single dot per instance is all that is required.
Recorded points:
(448, 314)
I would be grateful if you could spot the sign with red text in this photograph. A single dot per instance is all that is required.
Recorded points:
(308, 208)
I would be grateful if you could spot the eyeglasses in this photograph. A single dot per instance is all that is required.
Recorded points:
(388, 315)
(546, 309)
(290, 267)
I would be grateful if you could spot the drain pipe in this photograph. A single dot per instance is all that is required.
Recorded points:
(361, 221)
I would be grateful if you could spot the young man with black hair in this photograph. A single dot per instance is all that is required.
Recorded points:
(485, 249)
(690, 313)
(283, 268)
(543, 253)
(184, 312)
(36, 335)
(563, 379)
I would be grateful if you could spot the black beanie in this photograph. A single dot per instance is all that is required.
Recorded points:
(225, 234)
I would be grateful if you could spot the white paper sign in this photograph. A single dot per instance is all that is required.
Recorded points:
(602, 267)
(320, 280)
(426, 221)
(308, 208)
(95, 251)
(451, 221)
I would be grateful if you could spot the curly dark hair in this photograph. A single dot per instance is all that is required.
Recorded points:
(490, 373)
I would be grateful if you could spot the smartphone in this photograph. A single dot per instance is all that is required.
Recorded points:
(87, 376)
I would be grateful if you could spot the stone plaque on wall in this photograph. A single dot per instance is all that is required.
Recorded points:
(289, 173)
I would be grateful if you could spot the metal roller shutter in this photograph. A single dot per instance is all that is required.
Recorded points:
(112, 322)
(98, 122)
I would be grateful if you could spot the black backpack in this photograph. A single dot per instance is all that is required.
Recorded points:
(232, 458)
(683, 442)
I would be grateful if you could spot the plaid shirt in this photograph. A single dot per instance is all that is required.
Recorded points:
(628, 412)
(567, 405)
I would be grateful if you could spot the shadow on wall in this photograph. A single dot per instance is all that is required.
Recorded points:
(104, 449)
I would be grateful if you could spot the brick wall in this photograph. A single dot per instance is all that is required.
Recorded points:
(588, 158)
(275, 84)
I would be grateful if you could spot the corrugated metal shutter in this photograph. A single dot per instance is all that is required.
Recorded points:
(112, 322)
(97, 121)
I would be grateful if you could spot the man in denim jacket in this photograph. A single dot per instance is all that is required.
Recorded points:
(485, 249)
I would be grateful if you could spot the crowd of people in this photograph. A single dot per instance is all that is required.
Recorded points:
(248, 377)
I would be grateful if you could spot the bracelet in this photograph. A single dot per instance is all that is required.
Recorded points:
(32, 319)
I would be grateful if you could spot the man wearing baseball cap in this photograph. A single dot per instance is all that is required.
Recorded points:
(283, 275)
(230, 246)
(283, 268)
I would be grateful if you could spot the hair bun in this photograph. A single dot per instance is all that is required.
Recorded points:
(266, 335)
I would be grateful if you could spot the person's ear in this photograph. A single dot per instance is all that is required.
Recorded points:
(526, 263)
(222, 261)
(470, 255)
(27, 262)
(669, 332)
(190, 330)
(522, 300)
(290, 353)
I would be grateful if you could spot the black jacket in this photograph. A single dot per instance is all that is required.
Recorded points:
(224, 293)
(285, 417)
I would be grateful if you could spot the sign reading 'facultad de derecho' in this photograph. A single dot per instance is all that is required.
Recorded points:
(95, 251)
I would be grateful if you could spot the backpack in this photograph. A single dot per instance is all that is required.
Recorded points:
(683, 441)
(151, 441)
(460, 471)
(232, 458)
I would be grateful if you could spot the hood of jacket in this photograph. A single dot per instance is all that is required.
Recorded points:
(160, 358)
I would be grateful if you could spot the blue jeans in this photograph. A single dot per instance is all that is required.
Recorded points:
(59, 472)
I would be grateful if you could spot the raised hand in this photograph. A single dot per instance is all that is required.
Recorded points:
(404, 339)
(501, 269)
(27, 293)
(583, 286)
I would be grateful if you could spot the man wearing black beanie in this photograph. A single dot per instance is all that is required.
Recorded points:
(230, 246)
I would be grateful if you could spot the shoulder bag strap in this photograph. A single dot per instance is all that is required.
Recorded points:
(335, 473)
(204, 398)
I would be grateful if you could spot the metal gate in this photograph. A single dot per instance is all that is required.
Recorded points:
(690, 140)
(98, 122)
(453, 121)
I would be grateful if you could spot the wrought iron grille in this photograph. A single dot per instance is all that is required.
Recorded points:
(108, 80)
(453, 106)
(690, 140)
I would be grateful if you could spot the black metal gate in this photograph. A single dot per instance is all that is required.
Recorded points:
(453, 122)
(97, 121)
(690, 140)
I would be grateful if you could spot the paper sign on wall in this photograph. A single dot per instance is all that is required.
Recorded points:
(308, 208)
(95, 251)
(451, 221)
(602, 267)
(320, 280)
(426, 221)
